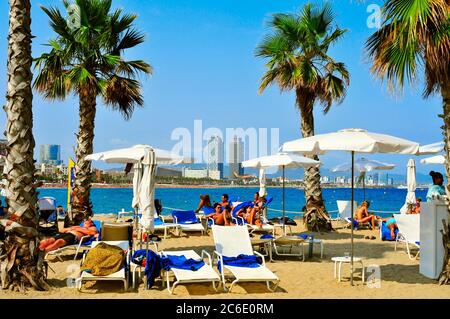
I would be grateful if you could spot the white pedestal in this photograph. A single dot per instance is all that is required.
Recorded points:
(431, 247)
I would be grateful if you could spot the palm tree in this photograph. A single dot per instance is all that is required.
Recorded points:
(415, 37)
(25, 266)
(297, 60)
(86, 58)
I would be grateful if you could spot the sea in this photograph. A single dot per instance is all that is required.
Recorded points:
(384, 201)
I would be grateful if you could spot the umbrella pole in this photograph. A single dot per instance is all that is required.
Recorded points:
(284, 221)
(352, 208)
(364, 186)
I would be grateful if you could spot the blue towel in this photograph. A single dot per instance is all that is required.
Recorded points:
(248, 261)
(267, 236)
(185, 216)
(152, 265)
(181, 262)
(306, 236)
(386, 232)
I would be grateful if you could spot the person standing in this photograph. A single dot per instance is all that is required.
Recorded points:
(437, 188)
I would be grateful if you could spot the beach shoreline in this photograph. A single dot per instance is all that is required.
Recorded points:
(201, 186)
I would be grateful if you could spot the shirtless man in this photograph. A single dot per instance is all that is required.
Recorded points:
(362, 214)
(217, 215)
(69, 236)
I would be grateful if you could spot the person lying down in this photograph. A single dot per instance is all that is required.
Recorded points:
(69, 236)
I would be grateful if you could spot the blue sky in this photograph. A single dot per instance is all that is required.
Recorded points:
(202, 52)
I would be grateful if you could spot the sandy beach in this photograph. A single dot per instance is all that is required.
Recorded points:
(312, 278)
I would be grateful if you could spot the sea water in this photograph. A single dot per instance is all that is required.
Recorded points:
(112, 200)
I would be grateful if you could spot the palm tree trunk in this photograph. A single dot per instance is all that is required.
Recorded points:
(444, 277)
(81, 204)
(25, 265)
(315, 217)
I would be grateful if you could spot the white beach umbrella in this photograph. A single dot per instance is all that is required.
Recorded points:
(438, 159)
(363, 165)
(431, 148)
(353, 141)
(144, 159)
(411, 185)
(283, 161)
(136, 154)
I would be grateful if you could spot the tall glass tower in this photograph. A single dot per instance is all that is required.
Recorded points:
(215, 155)
(236, 153)
(50, 154)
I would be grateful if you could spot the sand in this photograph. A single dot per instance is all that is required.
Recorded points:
(313, 278)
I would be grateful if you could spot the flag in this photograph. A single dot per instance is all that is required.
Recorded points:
(70, 181)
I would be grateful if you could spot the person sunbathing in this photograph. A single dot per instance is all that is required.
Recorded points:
(224, 201)
(391, 224)
(362, 214)
(217, 216)
(227, 216)
(252, 216)
(255, 198)
(205, 201)
(69, 236)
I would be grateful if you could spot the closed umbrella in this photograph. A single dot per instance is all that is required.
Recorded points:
(411, 185)
(363, 165)
(262, 182)
(353, 141)
(281, 160)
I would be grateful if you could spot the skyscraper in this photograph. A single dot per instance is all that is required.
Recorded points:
(215, 157)
(50, 154)
(236, 152)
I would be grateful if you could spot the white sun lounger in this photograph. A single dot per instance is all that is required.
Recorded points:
(408, 231)
(232, 242)
(121, 275)
(183, 276)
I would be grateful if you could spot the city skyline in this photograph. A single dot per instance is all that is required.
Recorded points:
(240, 26)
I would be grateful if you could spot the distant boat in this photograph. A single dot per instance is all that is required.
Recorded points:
(402, 187)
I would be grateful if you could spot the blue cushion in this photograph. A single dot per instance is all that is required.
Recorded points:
(184, 216)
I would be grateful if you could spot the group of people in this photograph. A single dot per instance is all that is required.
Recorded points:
(222, 212)
(362, 214)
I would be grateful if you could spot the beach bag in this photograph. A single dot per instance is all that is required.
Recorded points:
(104, 260)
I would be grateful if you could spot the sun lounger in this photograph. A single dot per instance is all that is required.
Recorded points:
(289, 243)
(121, 275)
(184, 276)
(187, 221)
(84, 244)
(234, 242)
(408, 231)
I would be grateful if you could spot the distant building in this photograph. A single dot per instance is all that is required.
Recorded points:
(168, 172)
(215, 157)
(50, 154)
(324, 179)
(195, 173)
(216, 175)
(236, 153)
